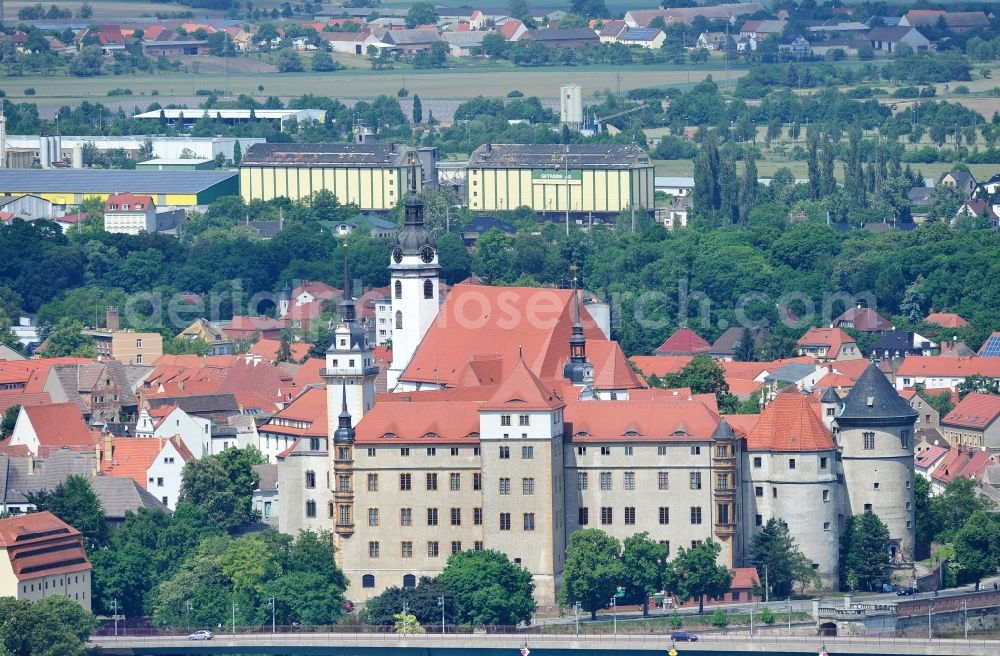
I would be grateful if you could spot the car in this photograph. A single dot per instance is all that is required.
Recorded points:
(907, 591)
(683, 636)
(201, 635)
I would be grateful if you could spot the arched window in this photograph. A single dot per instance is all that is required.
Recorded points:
(399, 320)
(368, 581)
(409, 581)
(428, 289)
(310, 479)
(399, 289)
(310, 508)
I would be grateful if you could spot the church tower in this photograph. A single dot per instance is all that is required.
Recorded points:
(350, 364)
(343, 476)
(414, 285)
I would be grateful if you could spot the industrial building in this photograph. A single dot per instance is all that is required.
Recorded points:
(67, 187)
(23, 150)
(373, 175)
(576, 179)
(189, 116)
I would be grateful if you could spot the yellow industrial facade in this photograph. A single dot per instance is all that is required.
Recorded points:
(374, 176)
(600, 179)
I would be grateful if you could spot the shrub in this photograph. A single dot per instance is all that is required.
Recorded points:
(30, 91)
(962, 89)
(719, 619)
(767, 616)
(675, 621)
(120, 92)
(515, 94)
(402, 93)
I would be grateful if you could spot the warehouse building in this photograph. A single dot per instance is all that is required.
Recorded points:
(49, 150)
(583, 179)
(373, 175)
(186, 118)
(68, 187)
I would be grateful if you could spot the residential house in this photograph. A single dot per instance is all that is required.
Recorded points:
(313, 290)
(42, 556)
(862, 319)
(101, 390)
(250, 328)
(465, 44)
(265, 498)
(711, 41)
(960, 462)
(642, 37)
(897, 344)
(171, 422)
(217, 408)
(928, 417)
(803, 375)
(724, 348)
(46, 428)
(946, 320)
(746, 44)
(572, 37)
(683, 342)
(964, 181)
(991, 347)
(203, 330)
(304, 418)
(370, 224)
(944, 372)
(674, 215)
(828, 345)
(409, 41)
(795, 45)
(955, 21)
(762, 29)
(992, 185)
(512, 29)
(154, 464)
(888, 39)
(973, 422)
(129, 214)
(111, 39)
(482, 224)
(976, 208)
(610, 30)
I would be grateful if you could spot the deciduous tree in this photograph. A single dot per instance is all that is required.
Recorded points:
(694, 573)
(488, 588)
(593, 570)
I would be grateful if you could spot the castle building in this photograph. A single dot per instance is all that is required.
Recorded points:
(513, 421)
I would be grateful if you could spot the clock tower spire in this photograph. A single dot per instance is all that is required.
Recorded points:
(414, 288)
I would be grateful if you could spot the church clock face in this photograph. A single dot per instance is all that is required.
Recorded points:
(427, 254)
(397, 254)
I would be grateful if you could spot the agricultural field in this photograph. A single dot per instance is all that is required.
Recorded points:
(767, 166)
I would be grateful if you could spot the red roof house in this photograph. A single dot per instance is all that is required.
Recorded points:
(683, 342)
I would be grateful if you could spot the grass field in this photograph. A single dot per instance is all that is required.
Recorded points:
(767, 167)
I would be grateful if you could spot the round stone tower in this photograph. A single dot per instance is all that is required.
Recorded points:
(874, 428)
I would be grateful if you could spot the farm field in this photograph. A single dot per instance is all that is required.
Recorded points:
(767, 167)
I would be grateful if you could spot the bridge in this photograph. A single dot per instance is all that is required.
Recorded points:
(386, 644)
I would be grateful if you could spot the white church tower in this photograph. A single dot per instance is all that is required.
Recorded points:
(415, 292)
(350, 370)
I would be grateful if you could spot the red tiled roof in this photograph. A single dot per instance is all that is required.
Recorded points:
(611, 369)
(683, 342)
(7, 400)
(309, 407)
(480, 322)
(132, 457)
(976, 411)
(960, 463)
(864, 319)
(250, 324)
(254, 401)
(307, 373)
(268, 349)
(946, 320)
(928, 457)
(832, 338)
(522, 390)
(437, 422)
(744, 578)
(132, 200)
(14, 451)
(661, 365)
(948, 367)
(790, 423)
(40, 544)
(655, 419)
(508, 29)
(59, 424)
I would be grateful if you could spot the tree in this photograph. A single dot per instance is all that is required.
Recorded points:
(745, 349)
(9, 420)
(418, 111)
(222, 485)
(913, 299)
(322, 61)
(67, 339)
(86, 11)
(519, 9)
(815, 182)
(643, 561)
(775, 550)
(488, 588)
(88, 62)
(864, 552)
(749, 190)
(977, 547)
(950, 510)
(977, 384)
(407, 623)
(74, 502)
(421, 13)
(593, 570)
(284, 347)
(702, 374)
(53, 626)
(589, 8)
(422, 601)
(694, 573)
(288, 61)
(237, 153)
(922, 513)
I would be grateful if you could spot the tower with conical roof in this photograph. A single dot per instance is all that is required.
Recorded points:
(285, 300)
(350, 363)
(414, 270)
(577, 370)
(342, 452)
(874, 430)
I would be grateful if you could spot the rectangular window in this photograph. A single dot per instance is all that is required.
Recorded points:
(581, 480)
(826, 526)
(371, 452)
(406, 516)
(583, 516)
(628, 451)
(477, 481)
(774, 493)
(478, 545)
(527, 486)
(456, 547)
(524, 420)
(826, 495)
(504, 486)
(529, 521)
(505, 453)
(504, 521)
(432, 451)
(373, 549)
(373, 482)
(405, 483)
(695, 480)
(661, 450)
(406, 549)
(433, 550)
(432, 482)
(455, 481)
(822, 462)
(605, 450)
(581, 450)
(432, 516)
(757, 462)
(791, 463)
(904, 439)
(373, 516)
(869, 441)
(527, 453)
(630, 514)
(663, 480)
(758, 520)
(664, 515)
(404, 451)
(607, 515)
(477, 516)
(696, 514)
(456, 516)
(696, 450)
(605, 480)
(629, 480)
(505, 420)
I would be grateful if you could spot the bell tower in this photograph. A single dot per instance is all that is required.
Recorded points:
(414, 285)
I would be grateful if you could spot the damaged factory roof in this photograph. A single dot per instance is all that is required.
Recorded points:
(588, 156)
(325, 154)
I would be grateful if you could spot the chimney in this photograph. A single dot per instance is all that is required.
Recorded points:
(112, 320)
(108, 446)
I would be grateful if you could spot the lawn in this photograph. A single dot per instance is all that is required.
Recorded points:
(663, 624)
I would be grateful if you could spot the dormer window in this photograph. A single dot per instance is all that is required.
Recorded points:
(631, 434)
(390, 436)
(125, 206)
(431, 434)
(679, 433)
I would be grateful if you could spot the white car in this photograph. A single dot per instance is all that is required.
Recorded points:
(201, 635)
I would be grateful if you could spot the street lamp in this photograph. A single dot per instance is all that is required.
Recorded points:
(614, 609)
(189, 607)
(789, 602)
(272, 616)
(406, 609)
(441, 604)
(576, 615)
(116, 617)
(235, 607)
(965, 622)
